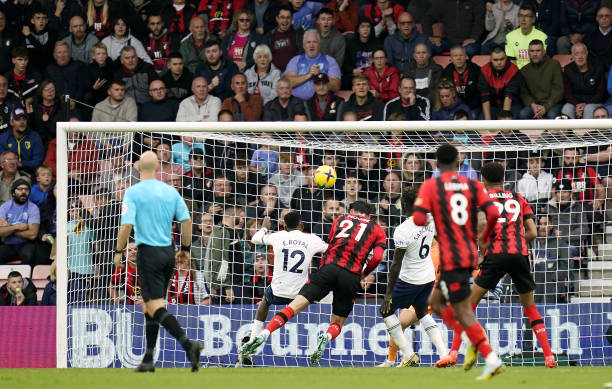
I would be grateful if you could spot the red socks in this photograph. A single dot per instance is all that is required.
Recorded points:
(457, 336)
(334, 330)
(449, 318)
(537, 325)
(479, 339)
(280, 319)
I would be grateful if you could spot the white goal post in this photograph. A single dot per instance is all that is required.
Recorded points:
(283, 138)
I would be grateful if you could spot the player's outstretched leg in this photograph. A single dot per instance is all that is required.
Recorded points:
(537, 325)
(277, 322)
(332, 333)
(432, 330)
(394, 327)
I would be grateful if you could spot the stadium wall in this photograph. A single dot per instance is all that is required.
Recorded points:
(104, 337)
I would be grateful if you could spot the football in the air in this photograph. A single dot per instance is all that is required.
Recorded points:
(325, 176)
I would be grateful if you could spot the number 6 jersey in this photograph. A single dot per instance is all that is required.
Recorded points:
(417, 266)
(293, 252)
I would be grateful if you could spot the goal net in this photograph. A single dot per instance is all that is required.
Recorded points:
(233, 175)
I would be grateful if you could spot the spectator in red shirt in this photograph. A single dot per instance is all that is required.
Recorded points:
(384, 78)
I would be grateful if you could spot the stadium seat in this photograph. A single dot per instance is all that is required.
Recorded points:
(39, 275)
(480, 60)
(345, 94)
(563, 59)
(25, 270)
(39, 294)
(442, 60)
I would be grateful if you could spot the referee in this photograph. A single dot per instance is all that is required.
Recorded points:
(150, 207)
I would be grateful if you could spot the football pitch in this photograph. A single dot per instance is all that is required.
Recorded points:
(312, 378)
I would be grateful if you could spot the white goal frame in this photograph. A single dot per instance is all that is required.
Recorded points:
(62, 169)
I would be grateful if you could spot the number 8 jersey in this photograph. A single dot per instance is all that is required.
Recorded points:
(417, 266)
(454, 201)
(293, 252)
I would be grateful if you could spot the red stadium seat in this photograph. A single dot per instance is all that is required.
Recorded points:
(442, 60)
(345, 94)
(480, 60)
(563, 59)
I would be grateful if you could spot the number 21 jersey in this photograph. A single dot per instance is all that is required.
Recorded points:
(351, 239)
(454, 201)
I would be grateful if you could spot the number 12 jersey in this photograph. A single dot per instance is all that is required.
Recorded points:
(293, 252)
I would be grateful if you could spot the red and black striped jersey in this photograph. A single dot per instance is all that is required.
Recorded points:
(351, 239)
(584, 180)
(453, 201)
(508, 235)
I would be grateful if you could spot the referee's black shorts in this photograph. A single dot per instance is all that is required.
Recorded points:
(333, 278)
(495, 267)
(155, 268)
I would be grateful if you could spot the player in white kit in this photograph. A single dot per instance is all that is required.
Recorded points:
(413, 266)
(293, 252)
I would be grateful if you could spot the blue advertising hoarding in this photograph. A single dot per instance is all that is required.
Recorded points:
(113, 336)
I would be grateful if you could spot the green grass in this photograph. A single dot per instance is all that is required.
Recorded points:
(312, 378)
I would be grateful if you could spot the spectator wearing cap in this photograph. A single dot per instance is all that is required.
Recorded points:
(302, 68)
(584, 179)
(400, 45)
(574, 218)
(19, 225)
(263, 76)
(363, 102)
(536, 184)
(285, 41)
(160, 108)
(324, 105)
(541, 85)
(201, 106)
(584, 84)
(24, 142)
(244, 106)
(9, 174)
(332, 42)
(198, 177)
(284, 105)
(359, 52)
(18, 291)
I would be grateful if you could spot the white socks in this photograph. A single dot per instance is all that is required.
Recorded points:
(492, 358)
(256, 329)
(432, 330)
(394, 327)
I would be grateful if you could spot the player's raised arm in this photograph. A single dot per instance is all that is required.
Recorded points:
(378, 251)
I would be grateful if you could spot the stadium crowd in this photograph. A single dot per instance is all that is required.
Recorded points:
(254, 60)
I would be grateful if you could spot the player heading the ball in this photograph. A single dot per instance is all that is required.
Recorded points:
(454, 200)
(351, 239)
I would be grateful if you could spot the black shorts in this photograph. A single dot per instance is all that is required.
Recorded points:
(155, 268)
(455, 285)
(495, 267)
(333, 278)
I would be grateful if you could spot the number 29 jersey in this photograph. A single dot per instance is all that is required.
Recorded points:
(417, 266)
(454, 201)
(508, 235)
(351, 239)
(293, 252)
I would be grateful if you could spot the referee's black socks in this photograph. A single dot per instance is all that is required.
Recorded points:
(151, 331)
(165, 318)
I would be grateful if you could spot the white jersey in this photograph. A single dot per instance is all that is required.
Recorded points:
(417, 267)
(293, 252)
